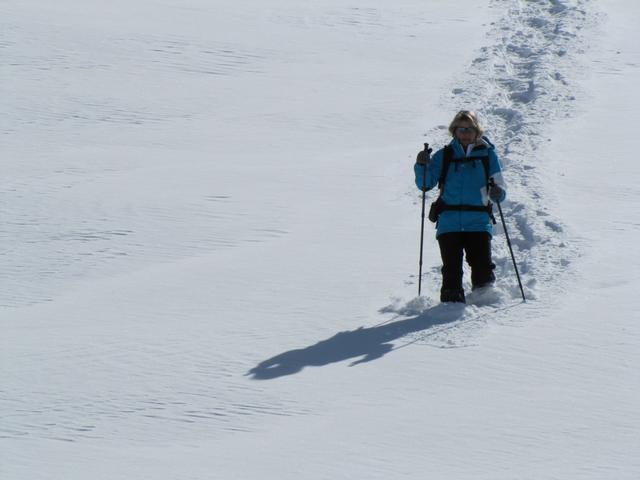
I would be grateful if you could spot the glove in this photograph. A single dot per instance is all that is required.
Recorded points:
(424, 157)
(495, 192)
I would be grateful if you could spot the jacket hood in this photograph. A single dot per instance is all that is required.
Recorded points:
(484, 140)
(457, 146)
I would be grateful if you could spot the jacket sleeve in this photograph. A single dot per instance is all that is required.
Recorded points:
(432, 171)
(495, 173)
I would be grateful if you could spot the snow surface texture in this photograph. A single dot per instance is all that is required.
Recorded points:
(518, 85)
(523, 92)
(210, 238)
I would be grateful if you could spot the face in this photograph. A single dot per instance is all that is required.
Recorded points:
(465, 133)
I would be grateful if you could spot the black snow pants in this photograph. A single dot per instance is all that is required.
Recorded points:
(477, 248)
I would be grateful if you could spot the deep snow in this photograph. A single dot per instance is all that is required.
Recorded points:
(210, 236)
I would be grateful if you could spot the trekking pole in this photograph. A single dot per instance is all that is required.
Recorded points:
(506, 234)
(427, 152)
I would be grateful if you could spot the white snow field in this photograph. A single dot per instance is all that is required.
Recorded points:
(210, 230)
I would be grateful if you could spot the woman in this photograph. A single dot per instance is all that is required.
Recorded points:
(467, 172)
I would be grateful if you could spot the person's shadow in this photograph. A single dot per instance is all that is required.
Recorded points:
(363, 344)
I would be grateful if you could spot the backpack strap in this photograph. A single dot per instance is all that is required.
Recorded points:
(485, 164)
(448, 157)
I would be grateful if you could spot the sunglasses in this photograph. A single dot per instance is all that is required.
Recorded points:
(465, 130)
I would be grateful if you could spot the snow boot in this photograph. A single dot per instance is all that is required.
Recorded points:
(450, 295)
(483, 285)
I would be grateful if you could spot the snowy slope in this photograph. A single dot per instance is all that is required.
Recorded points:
(210, 237)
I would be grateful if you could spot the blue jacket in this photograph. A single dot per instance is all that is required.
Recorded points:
(465, 185)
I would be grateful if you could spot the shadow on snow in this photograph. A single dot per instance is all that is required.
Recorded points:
(363, 344)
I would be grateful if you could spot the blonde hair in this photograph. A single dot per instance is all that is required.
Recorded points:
(465, 115)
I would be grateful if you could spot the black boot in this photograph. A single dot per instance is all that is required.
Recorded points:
(452, 296)
(482, 285)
